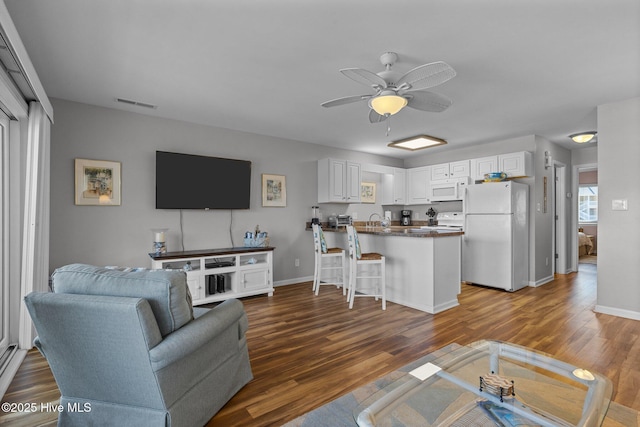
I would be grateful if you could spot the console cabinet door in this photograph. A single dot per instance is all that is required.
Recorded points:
(255, 279)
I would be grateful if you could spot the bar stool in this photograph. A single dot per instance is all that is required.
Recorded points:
(357, 259)
(325, 260)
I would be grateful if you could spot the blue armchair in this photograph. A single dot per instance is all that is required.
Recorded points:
(127, 348)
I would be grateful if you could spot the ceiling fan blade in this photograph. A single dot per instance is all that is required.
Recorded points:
(365, 77)
(375, 117)
(428, 101)
(426, 76)
(345, 100)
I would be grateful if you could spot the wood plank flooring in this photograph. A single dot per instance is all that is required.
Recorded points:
(306, 351)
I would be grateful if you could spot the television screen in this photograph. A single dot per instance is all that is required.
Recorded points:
(187, 181)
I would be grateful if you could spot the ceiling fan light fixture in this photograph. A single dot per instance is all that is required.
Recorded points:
(387, 104)
(417, 142)
(583, 137)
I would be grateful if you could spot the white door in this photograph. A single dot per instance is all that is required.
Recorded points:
(4, 197)
(487, 252)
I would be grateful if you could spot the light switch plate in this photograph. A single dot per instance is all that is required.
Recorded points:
(619, 205)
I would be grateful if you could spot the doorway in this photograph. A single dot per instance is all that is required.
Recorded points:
(584, 236)
(560, 219)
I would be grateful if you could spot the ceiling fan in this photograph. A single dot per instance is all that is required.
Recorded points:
(392, 91)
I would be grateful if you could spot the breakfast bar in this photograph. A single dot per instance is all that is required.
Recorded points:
(422, 265)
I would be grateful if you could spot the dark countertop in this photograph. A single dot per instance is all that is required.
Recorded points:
(395, 230)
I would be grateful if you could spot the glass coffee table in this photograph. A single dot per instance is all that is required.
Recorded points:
(490, 383)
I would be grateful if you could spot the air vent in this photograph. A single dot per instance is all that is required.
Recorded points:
(136, 103)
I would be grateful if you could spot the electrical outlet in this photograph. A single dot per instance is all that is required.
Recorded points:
(297, 262)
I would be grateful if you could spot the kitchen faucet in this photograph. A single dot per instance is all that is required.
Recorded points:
(369, 223)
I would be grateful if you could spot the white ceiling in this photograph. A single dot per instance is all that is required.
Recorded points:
(523, 67)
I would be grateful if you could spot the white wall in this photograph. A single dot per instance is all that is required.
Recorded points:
(120, 235)
(619, 231)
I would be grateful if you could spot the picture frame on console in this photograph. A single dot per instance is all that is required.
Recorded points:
(274, 190)
(98, 182)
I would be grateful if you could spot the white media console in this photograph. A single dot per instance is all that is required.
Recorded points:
(219, 274)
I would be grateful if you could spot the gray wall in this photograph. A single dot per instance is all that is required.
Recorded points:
(619, 231)
(121, 235)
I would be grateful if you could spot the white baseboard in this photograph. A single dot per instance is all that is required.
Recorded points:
(293, 281)
(628, 314)
(541, 282)
(11, 369)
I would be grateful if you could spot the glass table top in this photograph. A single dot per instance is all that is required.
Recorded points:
(490, 383)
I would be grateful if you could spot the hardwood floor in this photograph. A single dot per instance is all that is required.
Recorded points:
(306, 351)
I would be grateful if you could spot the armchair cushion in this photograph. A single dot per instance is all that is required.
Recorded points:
(166, 291)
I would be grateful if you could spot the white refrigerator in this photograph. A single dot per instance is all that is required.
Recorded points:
(495, 245)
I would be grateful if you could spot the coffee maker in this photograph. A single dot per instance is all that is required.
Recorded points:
(405, 217)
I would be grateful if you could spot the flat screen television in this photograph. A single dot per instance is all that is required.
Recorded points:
(187, 181)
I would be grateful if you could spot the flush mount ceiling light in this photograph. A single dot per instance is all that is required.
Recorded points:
(387, 103)
(583, 137)
(417, 142)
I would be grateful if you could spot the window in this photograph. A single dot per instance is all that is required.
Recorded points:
(588, 204)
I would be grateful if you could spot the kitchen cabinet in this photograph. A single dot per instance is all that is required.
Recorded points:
(339, 181)
(418, 180)
(482, 166)
(444, 171)
(513, 164)
(516, 164)
(394, 187)
(218, 274)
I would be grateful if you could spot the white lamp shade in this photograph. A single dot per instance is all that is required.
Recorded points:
(387, 104)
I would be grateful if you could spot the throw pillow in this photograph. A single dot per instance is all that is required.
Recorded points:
(323, 242)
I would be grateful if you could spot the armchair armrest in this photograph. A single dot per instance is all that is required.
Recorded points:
(198, 332)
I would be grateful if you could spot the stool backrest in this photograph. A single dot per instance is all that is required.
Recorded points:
(354, 244)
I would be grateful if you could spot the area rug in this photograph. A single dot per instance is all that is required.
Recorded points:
(588, 259)
(340, 412)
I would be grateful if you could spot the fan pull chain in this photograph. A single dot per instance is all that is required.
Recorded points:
(388, 123)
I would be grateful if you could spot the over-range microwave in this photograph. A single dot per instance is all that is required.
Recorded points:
(448, 189)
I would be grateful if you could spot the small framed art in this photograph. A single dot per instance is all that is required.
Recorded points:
(368, 192)
(274, 190)
(98, 182)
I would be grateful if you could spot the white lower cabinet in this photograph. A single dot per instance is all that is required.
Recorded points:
(219, 274)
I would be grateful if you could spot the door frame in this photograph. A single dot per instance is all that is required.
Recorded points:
(559, 240)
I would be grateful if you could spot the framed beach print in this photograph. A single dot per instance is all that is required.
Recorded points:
(98, 182)
(368, 192)
(274, 190)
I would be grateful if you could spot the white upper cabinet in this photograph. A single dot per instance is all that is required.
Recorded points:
(459, 169)
(513, 164)
(516, 164)
(418, 180)
(482, 166)
(394, 187)
(450, 170)
(338, 181)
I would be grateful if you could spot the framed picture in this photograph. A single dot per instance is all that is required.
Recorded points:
(368, 192)
(274, 190)
(97, 182)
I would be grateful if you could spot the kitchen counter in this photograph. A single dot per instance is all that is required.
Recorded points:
(422, 272)
(398, 230)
